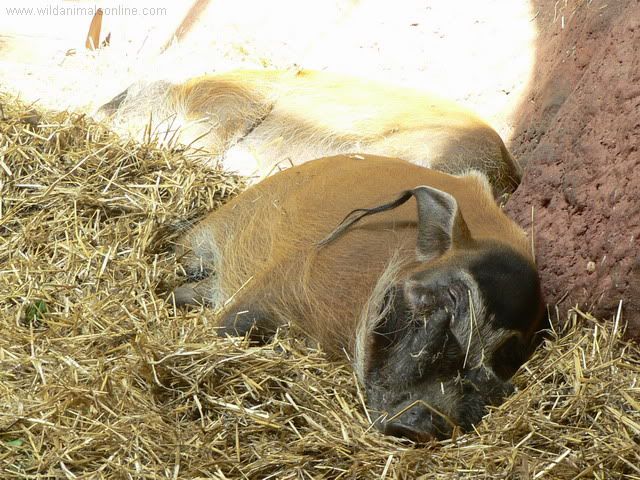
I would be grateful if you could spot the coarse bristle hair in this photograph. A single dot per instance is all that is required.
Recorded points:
(101, 377)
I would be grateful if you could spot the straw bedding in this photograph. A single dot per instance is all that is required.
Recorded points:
(100, 377)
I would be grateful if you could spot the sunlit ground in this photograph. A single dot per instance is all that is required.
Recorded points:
(479, 53)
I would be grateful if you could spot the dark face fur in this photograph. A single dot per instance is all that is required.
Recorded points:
(449, 340)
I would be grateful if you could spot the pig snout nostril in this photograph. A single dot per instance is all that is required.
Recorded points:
(398, 429)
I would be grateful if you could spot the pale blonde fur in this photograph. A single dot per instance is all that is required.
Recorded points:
(258, 122)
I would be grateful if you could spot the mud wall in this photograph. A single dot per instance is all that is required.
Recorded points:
(578, 133)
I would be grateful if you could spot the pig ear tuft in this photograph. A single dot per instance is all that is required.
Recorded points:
(440, 223)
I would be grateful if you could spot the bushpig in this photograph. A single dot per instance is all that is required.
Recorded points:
(415, 276)
(257, 122)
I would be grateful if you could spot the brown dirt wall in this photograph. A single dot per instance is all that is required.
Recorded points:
(577, 135)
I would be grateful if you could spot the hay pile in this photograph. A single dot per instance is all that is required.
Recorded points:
(100, 377)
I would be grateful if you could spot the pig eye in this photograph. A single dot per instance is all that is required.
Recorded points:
(453, 295)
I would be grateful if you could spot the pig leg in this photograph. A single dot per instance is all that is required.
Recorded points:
(203, 292)
(198, 253)
(248, 320)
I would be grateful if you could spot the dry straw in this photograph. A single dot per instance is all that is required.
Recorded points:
(101, 378)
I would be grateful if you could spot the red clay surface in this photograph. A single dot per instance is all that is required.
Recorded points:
(578, 136)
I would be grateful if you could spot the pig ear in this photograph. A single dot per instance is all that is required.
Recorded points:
(440, 223)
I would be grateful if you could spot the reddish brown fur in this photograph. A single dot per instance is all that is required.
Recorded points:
(434, 298)
(268, 235)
